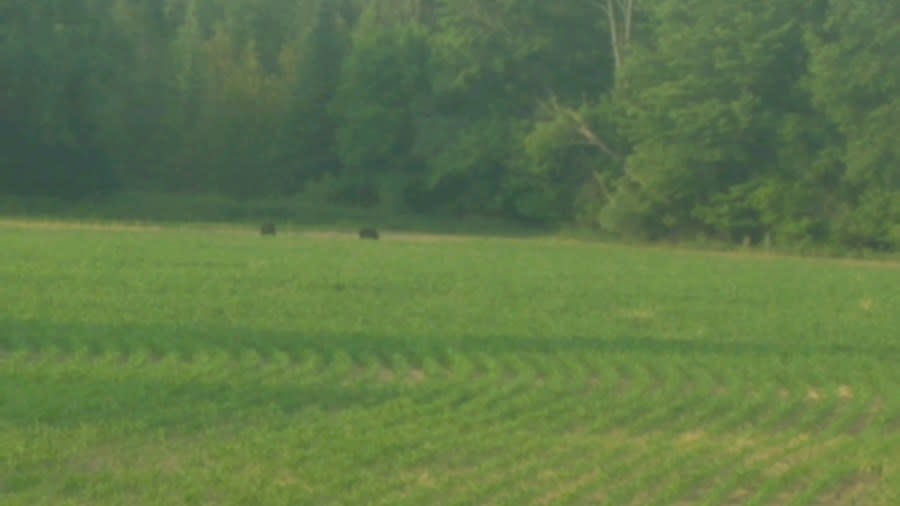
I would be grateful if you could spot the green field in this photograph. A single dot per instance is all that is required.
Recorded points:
(207, 365)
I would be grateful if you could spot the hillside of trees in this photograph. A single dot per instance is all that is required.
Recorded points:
(655, 119)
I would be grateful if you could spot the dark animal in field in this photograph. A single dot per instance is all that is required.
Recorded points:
(368, 233)
(267, 229)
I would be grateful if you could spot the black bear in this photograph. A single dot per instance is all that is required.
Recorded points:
(368, 233)
(267, 229)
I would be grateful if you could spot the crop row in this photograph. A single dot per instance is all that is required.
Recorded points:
(505, 428)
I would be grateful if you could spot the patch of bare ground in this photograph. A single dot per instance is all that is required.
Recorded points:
(568, 487)
(386, 376)
(851, 491)
(770, 256)
(864, 420)
(77, 225)
(416, 375)
(812, 450)
(329, 235)
(422, 237)
(690, 437)
(422, 478)
(638, 314)
(389, 236)
(109, 458)
(739, 496)
(765, 453)
(357, 373)
(845, 392)
(753, 454)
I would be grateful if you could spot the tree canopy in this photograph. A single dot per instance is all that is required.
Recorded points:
(740, 120)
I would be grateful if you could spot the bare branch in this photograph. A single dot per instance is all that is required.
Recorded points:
(599, 181)
(584, 130)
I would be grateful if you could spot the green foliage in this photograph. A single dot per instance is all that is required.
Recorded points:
(383, 78)
(190, 365)
(469, 172)
(857, 86)
(506, 55)
(700, 105)
(662, 118)
(873, 223)
(233, 116)
(54, 73)
(558, 152)
(309, 133)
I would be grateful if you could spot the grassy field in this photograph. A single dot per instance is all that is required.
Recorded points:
(191, 365)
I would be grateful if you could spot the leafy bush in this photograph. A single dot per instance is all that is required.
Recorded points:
(874, 223)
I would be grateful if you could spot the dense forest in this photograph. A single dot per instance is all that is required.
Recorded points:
(737, 120)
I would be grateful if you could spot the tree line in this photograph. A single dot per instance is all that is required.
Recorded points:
(739, 120)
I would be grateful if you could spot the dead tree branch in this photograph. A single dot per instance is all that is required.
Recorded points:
(589, 136)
